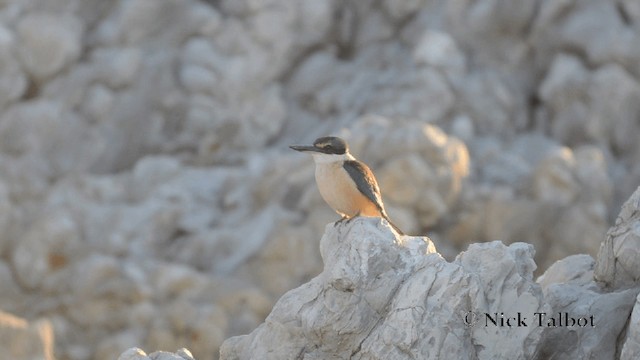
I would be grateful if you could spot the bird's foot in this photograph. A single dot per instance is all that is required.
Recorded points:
(342, 219)
(353, 217)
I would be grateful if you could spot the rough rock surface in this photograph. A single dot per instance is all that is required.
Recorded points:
(387, 297)
(631, 349)
(144, 170)
(618, 264)
(20, 339)
(137, 354)
(382, 296)
(569, 288)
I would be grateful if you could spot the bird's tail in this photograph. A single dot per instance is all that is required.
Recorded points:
(397, 229)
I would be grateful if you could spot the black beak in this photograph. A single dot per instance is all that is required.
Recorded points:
(304, 148)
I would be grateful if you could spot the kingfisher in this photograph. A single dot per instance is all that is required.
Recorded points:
(346, 184)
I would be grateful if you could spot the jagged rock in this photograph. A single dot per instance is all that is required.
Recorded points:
(566, 191)
(573, 98)
(631, 348)
(602, 292)
(13, 81)
(554, 181)
(48, 43)
(595, 318)
(592, 322)
(133, 354)
(574, 186)
(37, 263)
(143, 161)
(38, 132)
(356, 309)
(576, 269)
(20, 339)
(10, 290)
(608, 46)
(618, 263)
(382, 296)
(562, 90)
(138, 354)
(402, 9)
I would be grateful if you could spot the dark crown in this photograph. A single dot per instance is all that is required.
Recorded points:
(331, 145)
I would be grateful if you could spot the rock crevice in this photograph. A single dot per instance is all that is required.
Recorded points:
(402, 301)
(384, 296)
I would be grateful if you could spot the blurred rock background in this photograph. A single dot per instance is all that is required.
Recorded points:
(147, 194)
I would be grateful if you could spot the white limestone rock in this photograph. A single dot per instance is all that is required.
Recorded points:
(117, 67)
(148, 23)
(536, 191)
(51, 140)
(604, 319)
(440, 50)
(600, 105)
(562, 90)
(20, 339)
(48, 43)
(45, 251)
(13, 81)
(184, 107)
(10, 289)
(631, 348)
(382, 296)
(600, 316)
(313, 22)
(245, 60)
(512, 267)
(6, 216)
(379, 80)
(133, 354)
(575, 269)
(563, 177)
(631, 9)
(138, 354)
(618, 262)
(489, 26)
(609, 42)
(97, 104)
(154, 249)
(401, 9)
(554, 180)
(213, 116)
(497, 105)
(281, 255)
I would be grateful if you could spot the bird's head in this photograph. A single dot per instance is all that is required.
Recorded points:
(326, 149)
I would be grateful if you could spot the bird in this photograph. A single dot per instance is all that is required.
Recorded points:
(346, 184)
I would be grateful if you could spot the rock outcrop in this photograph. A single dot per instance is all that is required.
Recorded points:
(137, 354)
(144, 168)
(387, 297)
(384, 296)
(569, 288)
(24, 340)
(618, 264)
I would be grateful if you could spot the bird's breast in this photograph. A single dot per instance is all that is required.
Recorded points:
(341, 192)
